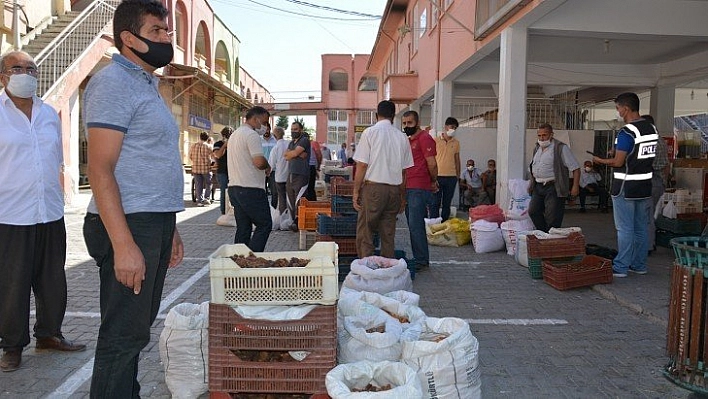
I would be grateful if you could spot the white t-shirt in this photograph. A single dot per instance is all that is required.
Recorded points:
(244, 145)
(386, 151)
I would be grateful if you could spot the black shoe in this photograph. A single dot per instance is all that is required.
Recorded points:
(11, 360)
(582, 210)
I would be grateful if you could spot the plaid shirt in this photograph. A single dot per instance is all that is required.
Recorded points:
(200, 155)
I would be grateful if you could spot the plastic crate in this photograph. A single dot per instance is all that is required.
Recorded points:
(679, 226)
(307, 240)
(316, 333)
(307, 213)
(536, 264)
(347, 245)
(688, 207)
(342, 205)
(691, 251)
(337, 225)
(340, 186)
(590, 270)
(573, 245)
(315, 283)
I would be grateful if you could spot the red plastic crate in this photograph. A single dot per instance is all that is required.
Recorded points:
(347, 245)
(590, 270)
(340, 186)
(550, 248)
(228, 331)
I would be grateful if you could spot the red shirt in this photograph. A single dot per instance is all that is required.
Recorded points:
(422, 146)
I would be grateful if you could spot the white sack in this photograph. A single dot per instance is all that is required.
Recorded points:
(285, 220)
(184, 349)
(486, 237)
(341, 379)
(275, 313)
(275, 217)
(510, 228)
(522, 254)
(356, 305)
(379, 274)
(669, 210)
(564, 231)
(355, 343)
(405, 297)
(228, 220)
(449, 368)
(432, 221)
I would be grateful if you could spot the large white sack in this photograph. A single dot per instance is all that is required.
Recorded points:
(522, 254)
(184, 349)
(356, 344)
(353, 306)
(378, 274)
(403, 380)
(448, 368)
(406, 297)
(510, 228)
(486, 237)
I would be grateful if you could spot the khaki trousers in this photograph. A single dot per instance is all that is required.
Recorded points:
(380, 204)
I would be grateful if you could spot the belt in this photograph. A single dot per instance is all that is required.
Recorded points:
(546, 183)
(382, 184)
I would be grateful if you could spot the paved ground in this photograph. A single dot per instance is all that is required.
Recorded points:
(602, 342)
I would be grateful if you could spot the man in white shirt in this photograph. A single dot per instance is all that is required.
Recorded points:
(280, 170)
(590, 184)
(247, 171)
(33, 244)
(380, 182)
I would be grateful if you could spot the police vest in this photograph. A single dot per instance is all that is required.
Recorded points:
(634, 178)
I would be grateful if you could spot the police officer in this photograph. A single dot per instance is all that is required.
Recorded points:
(635, 149)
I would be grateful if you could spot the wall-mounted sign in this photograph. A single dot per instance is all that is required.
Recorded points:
(199, 122)
(359, 128)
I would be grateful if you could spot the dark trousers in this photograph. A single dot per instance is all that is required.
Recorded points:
(546, 208)
(295, 188)
(282, 197)
(311, 194)
(223, 184)
(32, 258)
(126, 318)
(380, 205)
(443, 197)
(593, 189)
(270, 188)
(251, 209)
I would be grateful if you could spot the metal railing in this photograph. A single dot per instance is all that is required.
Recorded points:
(561, 114)
(67, 47)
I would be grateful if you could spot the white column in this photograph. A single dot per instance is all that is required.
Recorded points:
(511, 130)
(442, 106)
(661, 107)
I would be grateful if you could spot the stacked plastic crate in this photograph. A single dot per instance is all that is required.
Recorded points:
(307, 213)
(689, 221)
(340, 225)
(269, 355)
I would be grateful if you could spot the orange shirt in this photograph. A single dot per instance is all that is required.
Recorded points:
(445, 157)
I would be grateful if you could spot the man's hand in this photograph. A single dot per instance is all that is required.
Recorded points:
(129, 267)
(355, 199)
(403, 205)
(177, 250)
(436, 186)
(574, 191)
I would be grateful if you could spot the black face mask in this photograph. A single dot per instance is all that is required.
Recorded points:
(296, 135)
(410, 130)
(158, 54)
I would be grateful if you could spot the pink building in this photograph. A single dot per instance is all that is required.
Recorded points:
(349, 98)
(501, 67)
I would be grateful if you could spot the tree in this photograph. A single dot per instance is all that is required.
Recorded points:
(302, 122)
(283, 122)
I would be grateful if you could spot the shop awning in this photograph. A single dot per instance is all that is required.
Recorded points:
(227, 95)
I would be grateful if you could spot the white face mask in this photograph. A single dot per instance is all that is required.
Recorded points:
(261, 130)
(544, 144)
(23, 86)
(470, 168)
(588, 169)
(450, 133)
(619, 117)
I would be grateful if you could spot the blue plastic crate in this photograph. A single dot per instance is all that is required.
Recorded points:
(337, 226)
(343, 205)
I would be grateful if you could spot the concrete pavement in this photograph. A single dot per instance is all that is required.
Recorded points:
(535, 341)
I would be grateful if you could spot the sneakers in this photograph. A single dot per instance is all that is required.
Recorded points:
(640, 272)
(618, 274)
(205, 202)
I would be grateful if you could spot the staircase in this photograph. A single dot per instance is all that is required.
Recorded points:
(66, 40)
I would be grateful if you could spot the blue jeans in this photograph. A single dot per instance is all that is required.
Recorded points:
(443, 197)
(631, 220)
(417, 201)
(202, 186)
(126, 318)
(251, 208)
(223, 179)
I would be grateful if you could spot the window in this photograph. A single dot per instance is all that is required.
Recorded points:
(338, 81)
(225, 115)
(248, 94)
(198, 106)
(416, 27)
(434, 12)
(336, 135)
(423, 23)
(447, 3)
(337, 116)
(368, 83)
(366, 118)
